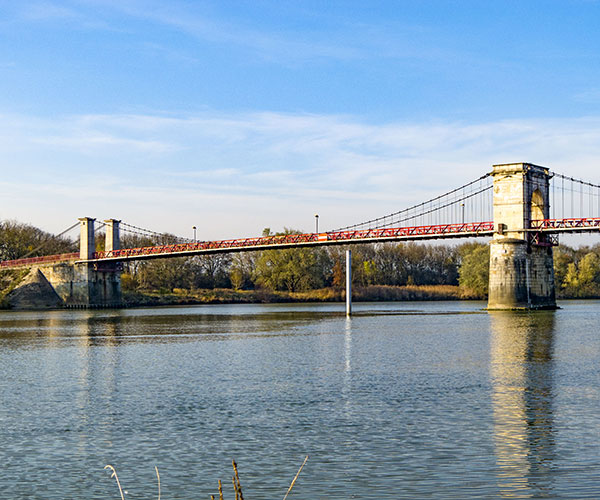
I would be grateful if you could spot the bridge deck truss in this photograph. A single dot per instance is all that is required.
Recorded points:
(466, 230)
(542, 231)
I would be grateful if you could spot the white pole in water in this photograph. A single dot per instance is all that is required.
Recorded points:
(348, 283)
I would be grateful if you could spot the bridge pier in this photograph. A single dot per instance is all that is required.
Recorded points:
(521, 270)
(84, 284)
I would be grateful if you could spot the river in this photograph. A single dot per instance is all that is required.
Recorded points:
(406, 400)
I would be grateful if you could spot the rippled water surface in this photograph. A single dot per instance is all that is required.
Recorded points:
(405, 400)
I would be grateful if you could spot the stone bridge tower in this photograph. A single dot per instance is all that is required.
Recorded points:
(101, 282)
(521, 271)
(84, 283)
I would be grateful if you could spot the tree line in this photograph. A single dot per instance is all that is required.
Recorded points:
(298, 269)
(18, 240)
(577, 271)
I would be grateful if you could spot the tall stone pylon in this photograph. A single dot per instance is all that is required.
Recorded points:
(521, 272)
(112, 239)
(89, 283)
(87, 238)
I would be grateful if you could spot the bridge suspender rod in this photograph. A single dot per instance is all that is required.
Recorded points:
(572, 200)
(571, 188)
(457, 192)
(140, 231)
(420, 216)
(563, 196)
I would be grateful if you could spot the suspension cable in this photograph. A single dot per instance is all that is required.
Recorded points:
(130, 228)
(48, 240)
(377, 221)
(572, 179)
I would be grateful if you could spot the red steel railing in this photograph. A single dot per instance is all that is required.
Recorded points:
(289, 240)
(571, 225)
(46, 259)
(466, 229)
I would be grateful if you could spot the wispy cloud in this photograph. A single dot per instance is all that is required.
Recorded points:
(47, 11)
(215, 30)
(590, 96)
(245, 171)
(94, 143)
(290, 44)
(333, 39)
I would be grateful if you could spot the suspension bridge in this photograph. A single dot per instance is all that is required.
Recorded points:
(522, 207)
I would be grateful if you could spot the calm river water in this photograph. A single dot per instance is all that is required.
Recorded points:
(405, 400)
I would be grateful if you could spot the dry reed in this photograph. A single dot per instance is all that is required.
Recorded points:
(237, 485)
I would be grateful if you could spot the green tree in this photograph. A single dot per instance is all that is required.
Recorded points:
(294, 269)
(589, 269)
(211, 271)
(164, 274)
(563, 256)
(474, 270)
(241, 270)
(391, 263)
(572, 277)
(583, 278)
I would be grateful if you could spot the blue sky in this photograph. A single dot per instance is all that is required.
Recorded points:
(234, 116)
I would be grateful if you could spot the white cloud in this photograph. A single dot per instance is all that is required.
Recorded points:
(233, 174)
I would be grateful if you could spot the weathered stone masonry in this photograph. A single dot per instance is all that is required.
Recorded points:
(84, 284)
(521, 273)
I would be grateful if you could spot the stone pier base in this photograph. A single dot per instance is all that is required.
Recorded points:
(521, 276)
(68, 285)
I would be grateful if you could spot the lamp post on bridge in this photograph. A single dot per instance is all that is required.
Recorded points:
(316, 223)
(463, 212)
(194, 228)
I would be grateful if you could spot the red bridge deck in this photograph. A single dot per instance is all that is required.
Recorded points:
(46, 259)
(466, 230)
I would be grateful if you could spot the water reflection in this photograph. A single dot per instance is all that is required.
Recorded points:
(347, 346)
(347, 386)
(522, 377)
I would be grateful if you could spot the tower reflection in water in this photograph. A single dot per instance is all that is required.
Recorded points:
(522, 395)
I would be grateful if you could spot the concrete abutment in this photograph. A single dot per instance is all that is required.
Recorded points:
(82, 285)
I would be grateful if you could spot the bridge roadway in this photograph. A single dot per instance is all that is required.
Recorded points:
(440, 231)
(471, 229)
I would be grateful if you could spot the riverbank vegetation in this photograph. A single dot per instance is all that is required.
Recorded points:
(179, 296)
(387, 271)
(382, 271)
